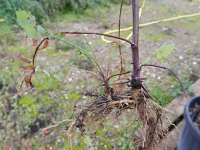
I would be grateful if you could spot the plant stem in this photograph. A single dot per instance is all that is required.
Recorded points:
(173, 73)
(96, 33)
(37, 48)
(135, 38)
(119, 35)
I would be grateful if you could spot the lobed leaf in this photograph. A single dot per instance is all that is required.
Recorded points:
(27, 22)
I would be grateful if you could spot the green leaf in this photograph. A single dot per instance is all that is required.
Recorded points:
(2, 20)
(161, 53)
(59, 36)
(87, 140)
(89, 57)
(74, 96)
(41, 31)
(165, 50)
(33, 110)
(27, 22)
(45, 82)
(27, 100)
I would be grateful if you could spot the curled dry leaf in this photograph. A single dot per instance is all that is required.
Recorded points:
(27, 78)
(24, 59)
(46, 132)
(45, 44)
(27, 68)
(28, 72)
(34, 41)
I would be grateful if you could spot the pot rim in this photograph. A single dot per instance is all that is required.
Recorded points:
(187, 115)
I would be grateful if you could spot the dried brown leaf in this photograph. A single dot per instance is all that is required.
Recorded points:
(27, 68)
(34, 41)
(115, 42)
(123, 76)
(28, 72)
(24, 59)
(6, 146)
(119, 86)
(28, 78)
(45, 45)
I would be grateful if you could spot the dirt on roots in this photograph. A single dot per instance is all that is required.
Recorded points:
(137, 99)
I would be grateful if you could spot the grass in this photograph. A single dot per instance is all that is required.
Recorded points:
(167, 88)
(85, 16)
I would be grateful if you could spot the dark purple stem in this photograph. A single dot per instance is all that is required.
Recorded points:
(134, 48)
(37, 48)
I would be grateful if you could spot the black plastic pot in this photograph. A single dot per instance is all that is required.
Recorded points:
(190, 135)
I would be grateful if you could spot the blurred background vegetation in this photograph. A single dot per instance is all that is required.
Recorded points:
(47, 9)
(62, 77)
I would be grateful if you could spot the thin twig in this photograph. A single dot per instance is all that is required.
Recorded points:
(96, 33)
(108, 70)
(97, 64)
(119, 83)
(125, 101)
(152, 100)
(119, 35)
(174, 74)
(118, 75)
(69, 130)
(56, 124)
(37, 48)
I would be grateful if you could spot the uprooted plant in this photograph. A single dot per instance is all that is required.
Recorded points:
(130, 93)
